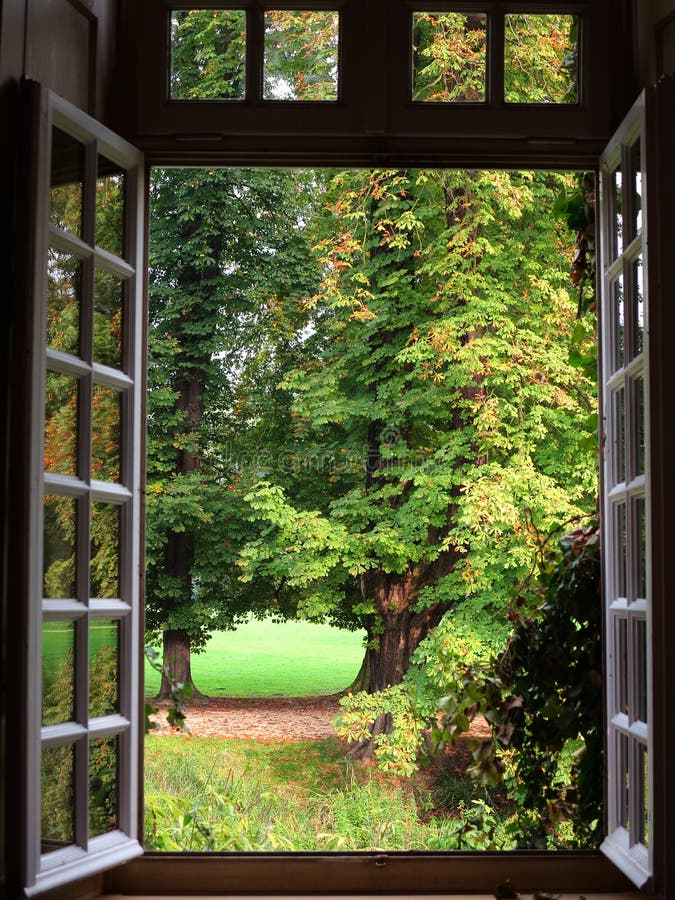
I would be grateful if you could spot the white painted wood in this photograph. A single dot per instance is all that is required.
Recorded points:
(623, 844)
(87, 856)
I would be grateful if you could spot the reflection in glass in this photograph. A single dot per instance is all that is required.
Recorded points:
(103, 793)
(449, 53)
(103, 667)
(641, 549)
(60, 528)
(623, 782)
(640, 655)
(620, 547)
(643, 794)
(208, 54)
(301, 55)
(58, 672)
(618, 322)
(67, 177)
(64, 278)
(619, 436)
(639, 308)
(57, 797)
(105, 437)
(639, 408)
(110, 206)
(616, 201)
(61, 407)
(540, 58)
(104, 561)
(636, 179)
(108, 318)
(622, 666)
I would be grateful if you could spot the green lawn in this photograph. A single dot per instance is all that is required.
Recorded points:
(265, 658)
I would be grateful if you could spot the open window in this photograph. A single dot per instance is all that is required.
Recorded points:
(83, 568)
(83, 572)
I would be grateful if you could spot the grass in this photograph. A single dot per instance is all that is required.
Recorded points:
(239, 795)
(262, 658)
(58, 639)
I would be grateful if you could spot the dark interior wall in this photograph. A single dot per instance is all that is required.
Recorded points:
(656, 39)
(70, 46)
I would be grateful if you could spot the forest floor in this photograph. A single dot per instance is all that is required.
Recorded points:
(277, 719)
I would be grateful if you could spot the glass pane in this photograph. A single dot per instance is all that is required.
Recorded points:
(67, 178)
(57, 795)
(640, 657)
(449, 51)
(540, 58)
(639, 307)
(103, 668)
(208, 54)
(623, 782)
(64, 279)
(58, 672)
(103, 792)
(60, 529)
(104, 574)
(110, 206)
(638, 388)
(620, 548)
(616, 207)
(61, 423)
(641, 548)
(105, 437)
(643, 794)
(621, 666)
(618, 323)
(108, 318)
(636, 181)
(619, 436)
(301, 55)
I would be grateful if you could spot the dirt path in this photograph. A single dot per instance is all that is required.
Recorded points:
(275, 719)
(264, 718)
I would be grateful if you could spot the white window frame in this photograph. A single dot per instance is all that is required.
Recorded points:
(624, 797)
(85, 856)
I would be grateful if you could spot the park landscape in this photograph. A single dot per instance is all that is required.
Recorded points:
(371, 483)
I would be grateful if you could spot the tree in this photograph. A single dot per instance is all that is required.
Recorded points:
(229, 262)
(445, 387)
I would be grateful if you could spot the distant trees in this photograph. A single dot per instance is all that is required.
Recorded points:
(229, 265)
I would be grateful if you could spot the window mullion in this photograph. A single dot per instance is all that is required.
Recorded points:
(495, 57)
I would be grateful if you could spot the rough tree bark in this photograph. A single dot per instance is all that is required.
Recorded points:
(179, 556)
(176, 654)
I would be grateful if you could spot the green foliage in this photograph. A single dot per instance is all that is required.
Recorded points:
(542, 698)
(208, 48)
(442, 392)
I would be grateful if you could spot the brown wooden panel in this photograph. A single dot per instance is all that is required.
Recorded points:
(366, 873)
(61, 49)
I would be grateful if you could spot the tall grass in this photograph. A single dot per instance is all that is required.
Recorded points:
(234, 795)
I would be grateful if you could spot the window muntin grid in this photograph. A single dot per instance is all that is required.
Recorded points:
(83, 709)
(626, 501)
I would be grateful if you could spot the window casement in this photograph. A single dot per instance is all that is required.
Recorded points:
(84, 615)
(626, 497)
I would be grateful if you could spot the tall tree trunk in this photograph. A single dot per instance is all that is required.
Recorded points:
(399, 631)
(179, 554)
(176, 655)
